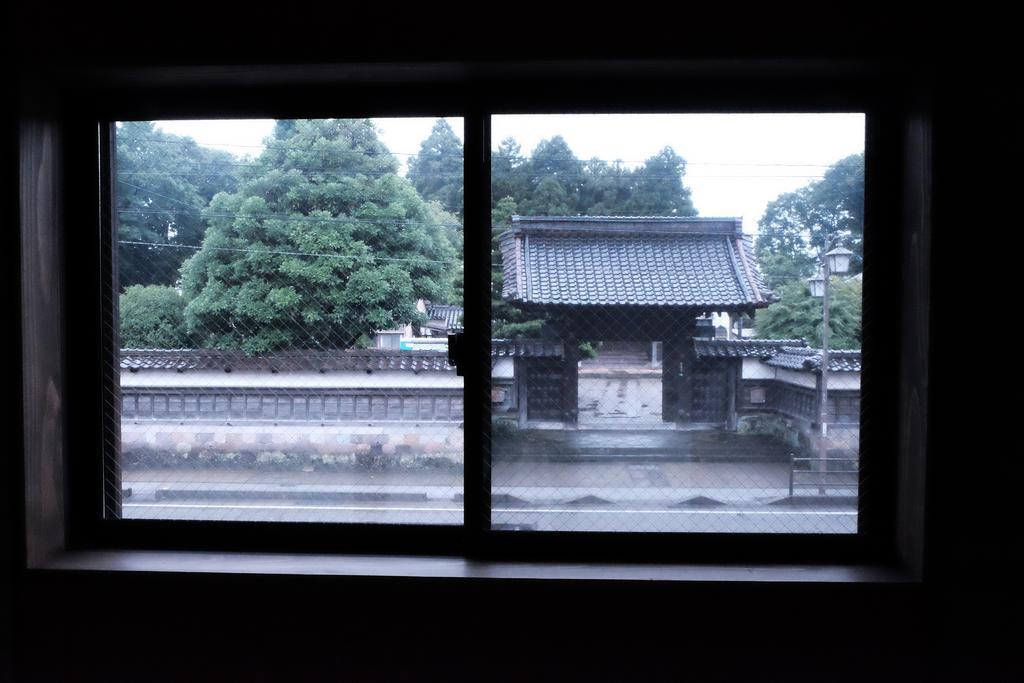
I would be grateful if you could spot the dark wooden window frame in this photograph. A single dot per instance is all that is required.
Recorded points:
(65, 261)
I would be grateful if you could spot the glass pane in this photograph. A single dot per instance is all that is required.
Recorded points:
(658, 357)
(284, 294)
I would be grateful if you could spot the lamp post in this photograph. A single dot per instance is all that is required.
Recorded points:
(834, 261)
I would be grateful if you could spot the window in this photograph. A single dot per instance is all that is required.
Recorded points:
(488, 530)
(309, 270)
(610, 288)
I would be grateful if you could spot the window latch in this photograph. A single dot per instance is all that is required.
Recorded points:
(455, 352)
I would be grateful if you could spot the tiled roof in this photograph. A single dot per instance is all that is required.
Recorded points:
(324, 361)
(792, 354)
(631, 261)
(796, 358)
(449, 314)
(309, 361)
(526, 348)
(743, 348)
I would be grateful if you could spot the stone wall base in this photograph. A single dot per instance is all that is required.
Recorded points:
(165, 444)
(842, 441)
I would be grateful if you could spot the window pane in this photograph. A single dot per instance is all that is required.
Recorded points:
(284, 294)
(657, 350)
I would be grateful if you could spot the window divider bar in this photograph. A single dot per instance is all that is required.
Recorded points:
(110, 471)
(477, 247)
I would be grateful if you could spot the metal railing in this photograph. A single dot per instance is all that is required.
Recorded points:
(819, 471)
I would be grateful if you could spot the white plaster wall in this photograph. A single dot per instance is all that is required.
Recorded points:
(800, 379)
(845, 381)
(503, 369)
(755, 369)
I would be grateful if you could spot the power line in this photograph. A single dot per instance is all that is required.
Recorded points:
(174, 199)
(190, 141)
(370, 257)
(442, 174)
(329, 220)
(255, 166)
(153, 192)
(752, 233)
(493, 156)
(183, 203)
(283, 217)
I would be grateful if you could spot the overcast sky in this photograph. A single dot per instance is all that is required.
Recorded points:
(736, 163)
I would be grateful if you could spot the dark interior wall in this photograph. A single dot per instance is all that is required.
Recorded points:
(956, 625)
(265, 629)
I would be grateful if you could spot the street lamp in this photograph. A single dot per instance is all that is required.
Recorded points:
(834, 261)
(839, 260)
(817, 285)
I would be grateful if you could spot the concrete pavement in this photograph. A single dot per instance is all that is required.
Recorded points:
(586, 480)
(516, 482)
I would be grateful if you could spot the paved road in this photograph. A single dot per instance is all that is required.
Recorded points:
(634, 473)
(631, 494)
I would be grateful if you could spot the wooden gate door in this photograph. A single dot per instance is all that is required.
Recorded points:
(710, 391)
(544, 389)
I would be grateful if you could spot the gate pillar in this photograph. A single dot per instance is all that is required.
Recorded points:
(570, 381)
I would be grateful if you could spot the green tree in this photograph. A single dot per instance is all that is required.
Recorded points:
(553, 182)
(163, 184)
(554, 177)
(320, 247)
(799, 315)
(454, 233)
(507, 320)
(548, 199)
(508, 172)
(436, 172)
(658, 188)
(606, 188)
(797, 226)
(153, 317)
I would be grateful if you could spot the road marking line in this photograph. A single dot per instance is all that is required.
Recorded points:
(350, 508)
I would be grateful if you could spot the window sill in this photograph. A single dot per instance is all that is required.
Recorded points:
(418, 567)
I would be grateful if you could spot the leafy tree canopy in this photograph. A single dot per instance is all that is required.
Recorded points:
(658, 187)
(508, 172)
(508, 321)
(153, 317)
(553, 182)
(798, 225)
(321, 245)
(436, 172)
(554, 160)
(163, 184)
(608, 187)
(799, 315)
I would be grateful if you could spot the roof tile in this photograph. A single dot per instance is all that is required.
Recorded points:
(596, 261)
(743, 348)
(792, 358)
(366, 360)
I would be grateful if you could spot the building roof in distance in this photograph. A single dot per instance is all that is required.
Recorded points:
(798, 358)
(526, 348)
(365, 360)
(702, 263)
(743, 348)
(447, 313)
(360, 360)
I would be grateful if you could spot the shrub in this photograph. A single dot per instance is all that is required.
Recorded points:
(153, 317)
